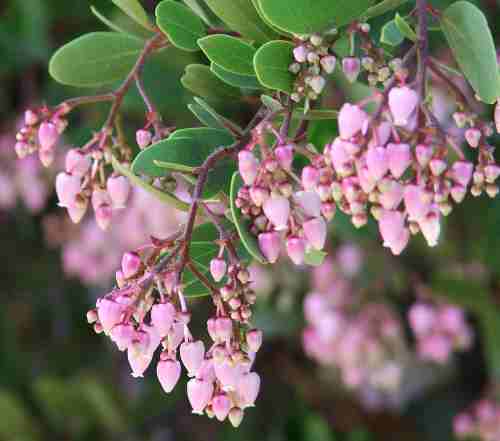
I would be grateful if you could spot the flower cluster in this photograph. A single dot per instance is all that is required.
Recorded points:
(482, 422)
(148, 310)
(366, 343)
(439, 329)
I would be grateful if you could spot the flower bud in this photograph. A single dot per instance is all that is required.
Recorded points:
(416, 202)
(236, 416)
(192, 355)
(46, 157)
(392, 229)
(284, 155)
(391, 197)
(399, 157)
(402, 103)
(377, 162)
(77, 211)
(162, 318)
(248, 389)
(351, 67)
(296, 249)
(228, 373)
(277, 210)
(168, 372)
(30, 118)
(422, 318)
(221, 405)
(131, 263)
(473, 136)
(224, 328)
(315, 232)
(317, 83)
(67, 189)
(22, 149)
(350, 120)
(143, 138)
(310, 177)
(199, 394)
(47, 135)
(309, 202)
(109, 313)
(300, 54)
(248, 166)
(77, 163)
(328, 63)
(269, 244)
(123, 335)
(218, 268)
(461, 172)
(101, 202)
(254, 339)
(119, 189)
(431, 228)
(423, 154)
(437, 166)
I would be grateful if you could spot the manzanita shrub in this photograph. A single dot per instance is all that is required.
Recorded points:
(264, 192)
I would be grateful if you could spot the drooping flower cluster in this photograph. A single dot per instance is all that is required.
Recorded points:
(148, 310)
(482, 422)
(365, 343)
(440, 329)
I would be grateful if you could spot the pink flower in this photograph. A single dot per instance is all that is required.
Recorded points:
(236, 416)
(77, 163)
(270, 244)
(248, 166)
(192, 355)
(416, 202)
(47, 135)
(101, 202)
(462, 172)
(328, 63)
(393, 231)
(473, 136)
(309, 201)
(284, 155)
(300, 54)
(296, 249)
(351, 67)
(377, 162)
(109, 313)
(392, 195)
(122, 335)
(277, 210)
(422, 318)
(431, 228)
(199, 394)
(424, 154)
(168, 373)
(402, 103)
(227, 373)
(131, 263)
(310, 178)
(223, 329)
(143, 138)
(399, 157)
(67, 189)
(221, 405)
(218, 268)
(315, 231)
(162, 317)
(248, 389)
(340, 157)
(254, 339)
(119, 189)
(351, 119)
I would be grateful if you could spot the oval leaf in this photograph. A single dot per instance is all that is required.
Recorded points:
(135, 11)
(200, 80)
(248, 240)
(271, 63)
(241, 16)
(469, 37)
(391, 34)
(306, 17)
(182, 25)
(236, 80)
(405, 28)
(231, 53)
(95, 59)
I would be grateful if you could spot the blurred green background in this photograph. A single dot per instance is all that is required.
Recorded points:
(58, 381)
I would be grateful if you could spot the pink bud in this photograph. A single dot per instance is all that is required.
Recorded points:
(377, 162)
(497, 116)
(340, 157)
(46, 157)
(416, 202)
(236, 416)
(392, 195)
(143, 138)
(109, 313)
(451, 319)
(310, 177)
(101, 202)
(328, 210)
(122, 335)
(67, 189)
(328, 63)
(206, 371)
(422, 318)
(119, 189)
(277, 210)
(30, 118)
(317, 83)
(491, 172)
(300, 54)
(22, 149)
(473, 136)
(138, 361)
(248, 389)
(399, 157)
(392, 228)
(423, 154)
(383, 132)
(351, 67)
(77, 211)
(228, 374)
(402, 103)
(284, 155)
(175, 336)
(168, 373)
(254, 339)
(436, 347)
(199, 393)
(462, 172)
(47, 135)
(218, 268)
(296, 249)
(458, 193)
(437, 166)
(221, 405)
(131, 263)
(309, 201)
(351, 119)
(431, 228)
(259, 195)
(248, 166)
(463, 425)
(162, 317)
(77, 163)
(192, 355)
(315, 232)
(269, 244)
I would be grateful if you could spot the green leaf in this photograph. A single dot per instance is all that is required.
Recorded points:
(405, 28)
(248, 240)
(202, 11)
(381, 8)
(204, 116)
(189, 148)
(200, 80)
(315, 257)
(306, 17)
(271, 64)
(111, 25)
(95, 59)
(258, 8)
(223, 122)
(182, 25)
(315, 115)
(161, 195)
(241, 16)
(469, 36)
(271, 103)
(236, 80)
(391, 34)
(231, 53)
(135, 11)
